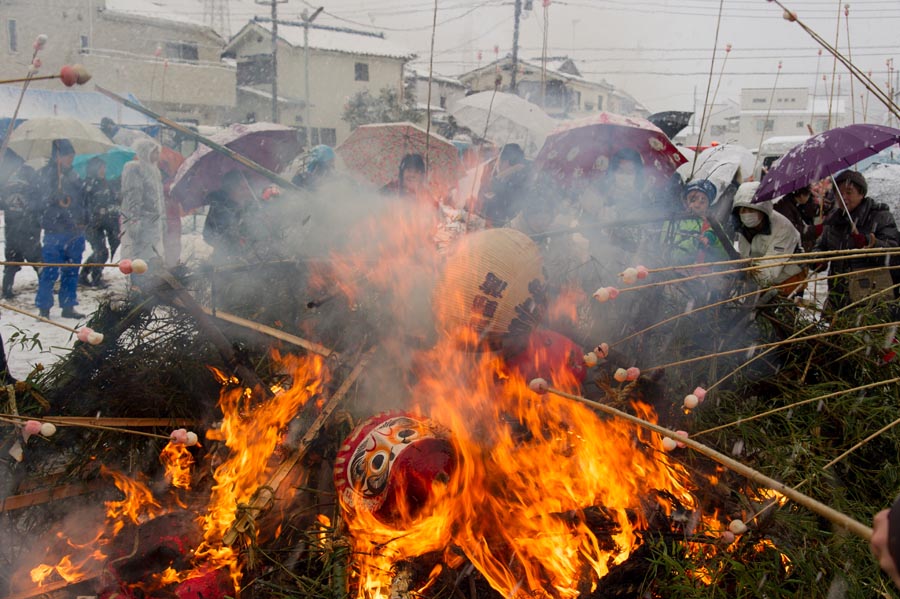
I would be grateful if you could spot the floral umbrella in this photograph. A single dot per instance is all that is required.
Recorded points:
(374, 152)
(269, 145)
(582, 148)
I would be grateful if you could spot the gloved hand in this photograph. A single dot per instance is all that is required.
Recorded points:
(858, 240)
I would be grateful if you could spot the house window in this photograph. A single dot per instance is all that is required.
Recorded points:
(765, 125)
(182, 51)
(13, 35)
(599, 102)
(84, 42)
(759, 100)
(800, 124)
(576, 100)
(328, 137)
(362, 71)
(443, 101)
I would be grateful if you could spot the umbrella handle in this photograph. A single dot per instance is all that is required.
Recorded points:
(853, 228)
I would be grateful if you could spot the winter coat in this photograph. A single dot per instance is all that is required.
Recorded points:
(798, 216)
(143, 209)
(871, 217)
(224, 227)
(500, 202)
(60, 196)
(21, 209)
(777, 236)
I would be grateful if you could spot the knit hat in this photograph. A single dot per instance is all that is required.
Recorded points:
(854, 177)
(704, 186)
(63, 147)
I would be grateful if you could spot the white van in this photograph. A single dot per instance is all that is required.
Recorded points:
(774, 148)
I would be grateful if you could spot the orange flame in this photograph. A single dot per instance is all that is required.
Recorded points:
(528, 467)
(178, 462)
(251, 436)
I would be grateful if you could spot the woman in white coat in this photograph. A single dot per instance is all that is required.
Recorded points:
(762, 232)
(143, 209)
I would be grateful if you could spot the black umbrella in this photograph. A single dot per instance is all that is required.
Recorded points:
(671, 121)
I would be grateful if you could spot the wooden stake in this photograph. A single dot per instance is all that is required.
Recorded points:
(265, 495)
(829, 513)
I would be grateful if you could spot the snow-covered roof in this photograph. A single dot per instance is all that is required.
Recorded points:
(174, 13)
(435, 77)
(267, 95)
(331, 40)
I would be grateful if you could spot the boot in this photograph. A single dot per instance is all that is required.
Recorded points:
(45, 312)
(8, 292)
(83, 278)
(69, 312)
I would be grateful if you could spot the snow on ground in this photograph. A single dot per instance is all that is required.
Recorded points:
(54, 342)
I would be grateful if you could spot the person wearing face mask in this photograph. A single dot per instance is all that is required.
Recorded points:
(762, 232)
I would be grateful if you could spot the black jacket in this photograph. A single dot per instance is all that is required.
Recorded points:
(62, 198)
(21, 211)
(871, 217)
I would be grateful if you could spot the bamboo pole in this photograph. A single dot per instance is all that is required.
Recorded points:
(16, 419)
(797, 404)
(37, 317)
(32, 498)
(827, 512)
(275, 333)
(856, 446)
(60, 264)
(773, 344)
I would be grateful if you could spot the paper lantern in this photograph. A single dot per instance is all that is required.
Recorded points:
(389, 465)
(491, 287)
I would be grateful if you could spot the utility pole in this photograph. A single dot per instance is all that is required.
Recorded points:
(515, 48)
(274, 4)
(307, 19)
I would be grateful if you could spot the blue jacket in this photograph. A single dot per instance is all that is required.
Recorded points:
(61, 195)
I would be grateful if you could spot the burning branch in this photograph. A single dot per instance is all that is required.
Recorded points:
(266, 493)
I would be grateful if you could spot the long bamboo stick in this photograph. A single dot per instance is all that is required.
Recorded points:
(856, 446)
(827, 512)
(37, 317)
(797, 404)
(266, 330)
(773, 344)
(16, 419)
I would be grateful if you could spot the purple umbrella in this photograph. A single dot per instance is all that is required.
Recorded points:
(823, 155)
(271, 146)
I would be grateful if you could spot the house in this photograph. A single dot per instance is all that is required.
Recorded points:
(342, 62)
(171, 65)
(787, 112)
(723, 125)
(565, 93)
(444, 91)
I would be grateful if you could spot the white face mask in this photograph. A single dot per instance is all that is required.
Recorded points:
(751, 220)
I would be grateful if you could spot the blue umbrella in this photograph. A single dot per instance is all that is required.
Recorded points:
(115, 158)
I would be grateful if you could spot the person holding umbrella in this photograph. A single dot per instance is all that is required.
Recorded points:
(858, 222)
(63, 221)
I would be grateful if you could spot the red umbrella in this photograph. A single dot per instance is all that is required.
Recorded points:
(582, 148)
(374, 152)
(271, 146)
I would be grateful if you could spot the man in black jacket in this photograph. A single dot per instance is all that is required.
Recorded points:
(872, 226)
(22, 225)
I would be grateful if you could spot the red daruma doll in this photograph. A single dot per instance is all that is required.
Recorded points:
(389, 465)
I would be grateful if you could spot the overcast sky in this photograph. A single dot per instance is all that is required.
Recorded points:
(657, 50)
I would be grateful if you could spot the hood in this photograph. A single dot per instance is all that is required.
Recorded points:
(144, 148)
(744, 199)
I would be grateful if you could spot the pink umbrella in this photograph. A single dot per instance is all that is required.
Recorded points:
(269, 145)
(374, 152)
(582, 148)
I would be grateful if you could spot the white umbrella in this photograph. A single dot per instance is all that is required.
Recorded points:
(33, 138)
(720, 164)
(504, 118)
